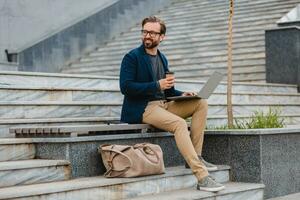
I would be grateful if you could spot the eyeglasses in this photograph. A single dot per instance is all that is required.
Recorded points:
(151, 33)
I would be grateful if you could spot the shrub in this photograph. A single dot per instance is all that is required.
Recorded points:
(259, 119)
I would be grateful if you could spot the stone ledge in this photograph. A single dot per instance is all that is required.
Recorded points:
(266, 131)
(27, 164)
(114, 183)
(269, 156)
(236, 190)
(157, 134)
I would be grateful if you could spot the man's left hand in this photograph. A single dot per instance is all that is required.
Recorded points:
(189, 94)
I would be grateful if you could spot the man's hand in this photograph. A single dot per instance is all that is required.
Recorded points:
(166, 83)
(189, 94)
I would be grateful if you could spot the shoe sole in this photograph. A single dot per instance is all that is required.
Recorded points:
(217, 189)
(212, 168)
(208, 168)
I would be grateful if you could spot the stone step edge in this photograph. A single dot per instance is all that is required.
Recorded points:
(58, 119)
(230, 188)
(28, 164)
(105, 120)
(293, 196)
(97, 103)
(177, 5)
(51, 89)
(126, 136)
(41, 74)
(56, 88)
(60, 88)
(88, 182)
(61, 75)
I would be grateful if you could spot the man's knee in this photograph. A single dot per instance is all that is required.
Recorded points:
(180, 124)
(202, 104)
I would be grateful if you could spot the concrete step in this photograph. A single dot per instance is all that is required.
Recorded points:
(35, 79)
(215, 10)
(55, 109)
(24, 172)
(31, 93)
(238, 5)
(95, 188)
(16, 149)
(295, 196)
(240, 10)
(244, 191)
(8, 66)
(36, 110)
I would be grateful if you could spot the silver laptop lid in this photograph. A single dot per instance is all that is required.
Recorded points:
(210, 85)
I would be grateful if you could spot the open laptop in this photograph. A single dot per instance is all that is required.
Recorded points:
(205, 91)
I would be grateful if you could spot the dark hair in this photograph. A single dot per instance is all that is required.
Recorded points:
(154, 19)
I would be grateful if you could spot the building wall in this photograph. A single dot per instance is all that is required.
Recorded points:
(24, 22)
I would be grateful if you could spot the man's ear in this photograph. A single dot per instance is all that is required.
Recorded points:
(162, 37)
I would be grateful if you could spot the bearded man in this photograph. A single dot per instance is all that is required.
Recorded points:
(144, 84)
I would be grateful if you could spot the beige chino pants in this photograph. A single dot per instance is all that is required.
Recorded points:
(169, 116)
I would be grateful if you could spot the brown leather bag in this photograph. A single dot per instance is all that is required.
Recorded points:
(132, 161)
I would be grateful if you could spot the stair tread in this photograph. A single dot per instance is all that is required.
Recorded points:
(89, 182)
(34, 163)
(97, 103)
(193, 193)
(295, 196)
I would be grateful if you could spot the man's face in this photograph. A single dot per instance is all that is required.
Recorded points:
(151, 36)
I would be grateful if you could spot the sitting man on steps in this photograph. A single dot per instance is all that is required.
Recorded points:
(145, 88)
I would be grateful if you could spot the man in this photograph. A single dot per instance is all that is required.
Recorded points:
(145, 87)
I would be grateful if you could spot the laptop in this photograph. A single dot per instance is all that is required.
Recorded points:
(205, 91)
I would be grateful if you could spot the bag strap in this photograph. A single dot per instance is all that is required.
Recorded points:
(110, 170)
(142, 148)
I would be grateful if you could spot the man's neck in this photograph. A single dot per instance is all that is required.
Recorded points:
(152, 51)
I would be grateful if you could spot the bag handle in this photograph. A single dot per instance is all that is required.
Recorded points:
(144, 146)
(124, 170)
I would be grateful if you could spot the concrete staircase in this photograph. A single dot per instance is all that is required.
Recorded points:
(29, 99)
(18, 166)
(48, 179)
(196, 42)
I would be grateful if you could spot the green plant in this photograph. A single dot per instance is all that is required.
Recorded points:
(259, 119)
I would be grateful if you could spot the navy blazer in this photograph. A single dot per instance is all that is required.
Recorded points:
(137, 84)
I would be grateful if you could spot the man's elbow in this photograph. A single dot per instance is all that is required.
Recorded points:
(124, 88)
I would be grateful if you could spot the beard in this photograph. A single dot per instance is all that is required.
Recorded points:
(150, 44)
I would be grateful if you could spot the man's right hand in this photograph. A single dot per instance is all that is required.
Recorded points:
(166, 83)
